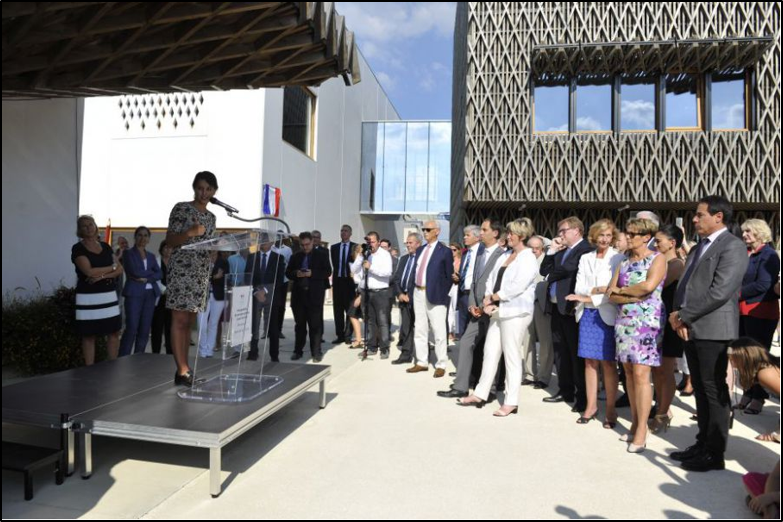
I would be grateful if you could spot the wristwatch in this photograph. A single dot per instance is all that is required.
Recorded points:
(113, 267)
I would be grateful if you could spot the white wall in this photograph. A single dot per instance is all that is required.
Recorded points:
(134, 177)
(40, 193)
(324, 193)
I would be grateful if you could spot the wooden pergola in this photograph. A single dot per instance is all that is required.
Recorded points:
(74, 49)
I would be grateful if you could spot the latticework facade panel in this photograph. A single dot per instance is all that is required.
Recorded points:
(498, 163)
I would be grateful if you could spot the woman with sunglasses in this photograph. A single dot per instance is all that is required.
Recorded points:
(637, 286)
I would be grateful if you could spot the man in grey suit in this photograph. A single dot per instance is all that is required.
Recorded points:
(706, 316)
(478, 321)
(540, 330)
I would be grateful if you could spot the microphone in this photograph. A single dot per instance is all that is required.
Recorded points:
(219, 203)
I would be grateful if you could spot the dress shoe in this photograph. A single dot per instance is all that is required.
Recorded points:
(339, 340)
(318, 357)
(556, 398)
(528, 382)
(417, 369)
(452, 374)
(384, 354)
(704, 462)
(252, 356)
(452, 394)
(439, 372)
(281, 336)
(296, 356)
(275, 359)
(688, 454)
(402, 360)
(540, 385)
(478, 403)
(183, 380)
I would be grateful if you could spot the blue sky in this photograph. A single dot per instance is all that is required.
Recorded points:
(409, 46)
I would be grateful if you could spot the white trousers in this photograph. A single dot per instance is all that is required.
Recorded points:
(208, 321)
(429, 316)
(503, 336)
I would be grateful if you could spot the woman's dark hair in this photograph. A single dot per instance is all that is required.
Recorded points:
(135, 232)
(207, 176)
(163, 245)
(673, 232)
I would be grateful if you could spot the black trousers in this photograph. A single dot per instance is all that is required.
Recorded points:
(707, 361)
(405, 340)
(570, 367)
(308, 316)
(284, 290)
(378, 319)
(272, 334)
(762, 330)
(343, 292)
(161, 326)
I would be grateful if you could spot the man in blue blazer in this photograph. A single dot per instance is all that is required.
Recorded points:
(430, 290)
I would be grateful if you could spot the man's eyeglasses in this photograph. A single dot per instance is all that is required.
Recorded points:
(632, 234)
(562, 231)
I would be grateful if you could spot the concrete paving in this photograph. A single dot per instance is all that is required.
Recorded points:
(387, 447)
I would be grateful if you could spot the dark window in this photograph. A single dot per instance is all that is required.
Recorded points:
(298, 105)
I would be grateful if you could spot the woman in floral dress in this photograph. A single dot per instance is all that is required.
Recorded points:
(636, 287)
(188, 276)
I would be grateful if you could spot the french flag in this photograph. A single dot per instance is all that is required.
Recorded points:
(272, 200)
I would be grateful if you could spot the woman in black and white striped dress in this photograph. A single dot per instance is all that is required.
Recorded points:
(97, 308)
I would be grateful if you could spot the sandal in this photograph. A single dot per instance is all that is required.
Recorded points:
(610, 424)
(357, 344)
(769, 437)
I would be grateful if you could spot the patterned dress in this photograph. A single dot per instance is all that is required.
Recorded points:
(639, 326)
(188, 275)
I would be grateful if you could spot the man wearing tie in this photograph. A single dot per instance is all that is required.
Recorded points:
(401, 283)
(268, 270)
(472, 341)
(560, 266)
(464, 278)
(343, 289)
(434, 267)
(706, 317)
(309, 270)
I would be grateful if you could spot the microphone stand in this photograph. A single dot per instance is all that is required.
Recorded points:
(365, 305)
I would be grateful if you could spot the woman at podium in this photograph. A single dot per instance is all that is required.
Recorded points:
(188, 277)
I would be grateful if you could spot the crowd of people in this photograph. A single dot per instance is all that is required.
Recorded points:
(614, 303)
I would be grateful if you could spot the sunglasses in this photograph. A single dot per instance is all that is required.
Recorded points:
(427, 229)
(633, 234)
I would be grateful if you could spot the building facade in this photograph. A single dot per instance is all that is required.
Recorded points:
(600, 109)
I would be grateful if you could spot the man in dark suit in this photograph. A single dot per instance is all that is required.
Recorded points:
(706, 316)
(309, 270)
(318, 245)
(474, 248)
(430, 289)
(268, 269)
(400, 284)
(560, 266)
(343, 287)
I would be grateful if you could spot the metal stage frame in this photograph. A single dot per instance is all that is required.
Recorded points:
(134, 398)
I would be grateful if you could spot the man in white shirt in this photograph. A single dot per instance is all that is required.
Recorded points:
(379, 272)
(464, 278)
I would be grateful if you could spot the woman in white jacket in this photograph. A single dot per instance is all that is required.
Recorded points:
(509, 303)
(596, 317)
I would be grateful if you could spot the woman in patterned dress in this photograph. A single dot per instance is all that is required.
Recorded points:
(188, 276)
(637, 286)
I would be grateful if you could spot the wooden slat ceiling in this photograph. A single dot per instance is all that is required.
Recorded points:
(66, 49)
(672, 56)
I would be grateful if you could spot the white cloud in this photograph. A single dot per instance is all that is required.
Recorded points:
(639, 113)
(587, 123)
(728, 116)
(386, 81)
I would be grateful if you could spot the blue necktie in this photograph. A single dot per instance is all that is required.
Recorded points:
(306, 262)
(263, 264)
(407, 272)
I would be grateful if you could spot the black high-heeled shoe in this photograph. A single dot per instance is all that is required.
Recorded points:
(585, 420)
(183, 380)
(477, 404)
